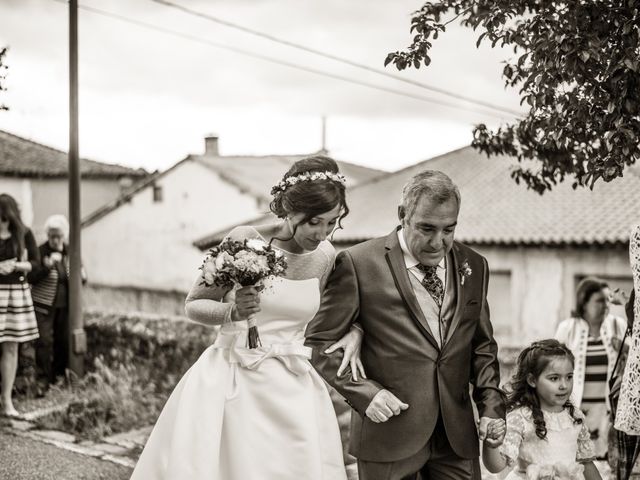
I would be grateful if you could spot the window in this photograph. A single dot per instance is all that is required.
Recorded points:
(157, 193)
(504, 322)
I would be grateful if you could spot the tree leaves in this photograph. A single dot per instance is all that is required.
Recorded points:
(3, 75)
(578, 69)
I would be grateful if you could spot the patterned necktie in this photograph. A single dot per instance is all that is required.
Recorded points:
(432, 283)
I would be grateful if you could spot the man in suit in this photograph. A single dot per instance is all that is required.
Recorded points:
(421, 300)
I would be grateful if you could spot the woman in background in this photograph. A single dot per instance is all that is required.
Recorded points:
(50, 292)
(18, 256)
(594, 336)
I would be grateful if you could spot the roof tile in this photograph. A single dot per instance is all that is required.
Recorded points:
(495, 210)
(20, 157)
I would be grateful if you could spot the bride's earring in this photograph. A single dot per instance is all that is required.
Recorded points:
(289, 225)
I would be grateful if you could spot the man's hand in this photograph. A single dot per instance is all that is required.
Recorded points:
(492, 431)
(384, 406)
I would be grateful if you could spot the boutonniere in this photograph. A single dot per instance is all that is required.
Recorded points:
(464, 271)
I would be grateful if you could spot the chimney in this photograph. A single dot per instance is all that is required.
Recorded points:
(211, 145)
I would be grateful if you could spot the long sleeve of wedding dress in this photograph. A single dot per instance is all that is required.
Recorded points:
(628, 413)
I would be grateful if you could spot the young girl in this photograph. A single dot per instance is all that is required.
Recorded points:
(546, 436)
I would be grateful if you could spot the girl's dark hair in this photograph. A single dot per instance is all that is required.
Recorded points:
(9, 209)
(531, 362)
(314, 197)
(585, 289)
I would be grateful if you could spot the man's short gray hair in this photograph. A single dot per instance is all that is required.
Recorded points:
(57, 222)
(432, 184)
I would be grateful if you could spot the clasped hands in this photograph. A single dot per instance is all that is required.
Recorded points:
(492, 431)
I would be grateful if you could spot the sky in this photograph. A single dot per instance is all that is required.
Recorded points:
(149, 97)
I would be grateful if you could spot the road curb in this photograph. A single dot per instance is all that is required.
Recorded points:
(24, 428)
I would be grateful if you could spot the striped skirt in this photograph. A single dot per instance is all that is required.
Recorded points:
(17, 317)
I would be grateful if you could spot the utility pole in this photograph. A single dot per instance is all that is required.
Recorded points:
(324, 135)
(77, 340)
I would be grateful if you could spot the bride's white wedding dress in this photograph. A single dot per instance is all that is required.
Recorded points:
(254, 414)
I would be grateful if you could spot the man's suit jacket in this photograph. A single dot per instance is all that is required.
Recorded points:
(370, 285)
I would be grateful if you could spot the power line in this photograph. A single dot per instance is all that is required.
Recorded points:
(336, 58)
(277, 61)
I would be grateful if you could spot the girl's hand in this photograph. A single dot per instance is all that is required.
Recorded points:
(496, 430)
(351, 344)
(247, 303)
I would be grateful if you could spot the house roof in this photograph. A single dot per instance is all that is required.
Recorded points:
(20, 157)
(254, 175)
(495, 210)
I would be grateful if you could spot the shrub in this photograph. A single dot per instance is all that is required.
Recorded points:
(133, 363)
(160, 348)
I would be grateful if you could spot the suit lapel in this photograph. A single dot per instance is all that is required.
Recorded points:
(395, 259)
(458, 291)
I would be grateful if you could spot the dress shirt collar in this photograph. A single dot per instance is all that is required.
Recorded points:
(409, 260)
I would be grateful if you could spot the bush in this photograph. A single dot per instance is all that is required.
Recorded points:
(133, 363)
(160, 348)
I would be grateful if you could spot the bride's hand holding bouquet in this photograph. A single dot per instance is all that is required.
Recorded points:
(243, 266)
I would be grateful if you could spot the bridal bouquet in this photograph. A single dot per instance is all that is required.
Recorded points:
(234, 264)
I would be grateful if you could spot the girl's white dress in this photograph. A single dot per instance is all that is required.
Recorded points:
(254, 414)
(557, 457)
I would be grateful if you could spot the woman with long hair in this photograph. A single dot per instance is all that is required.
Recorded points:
(18, 256)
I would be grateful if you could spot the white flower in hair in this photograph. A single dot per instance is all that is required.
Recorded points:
(307, 177)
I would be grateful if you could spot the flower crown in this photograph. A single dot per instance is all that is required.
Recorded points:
(307, 177)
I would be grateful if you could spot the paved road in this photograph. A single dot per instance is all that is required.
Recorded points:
(26, 459)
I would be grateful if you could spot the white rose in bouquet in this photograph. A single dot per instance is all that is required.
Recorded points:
(256, 244)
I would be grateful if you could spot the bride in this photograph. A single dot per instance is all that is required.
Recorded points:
(264, 413)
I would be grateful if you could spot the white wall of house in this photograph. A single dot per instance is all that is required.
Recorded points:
(148, 245)
(51, 196)
(21, 190)
(40, 198)
(532, 289)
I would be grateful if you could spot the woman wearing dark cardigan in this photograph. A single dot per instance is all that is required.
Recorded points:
(18, 256)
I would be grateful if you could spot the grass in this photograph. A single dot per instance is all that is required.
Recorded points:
(106, 401)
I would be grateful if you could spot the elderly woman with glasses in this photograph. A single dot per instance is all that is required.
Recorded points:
(50, 291)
